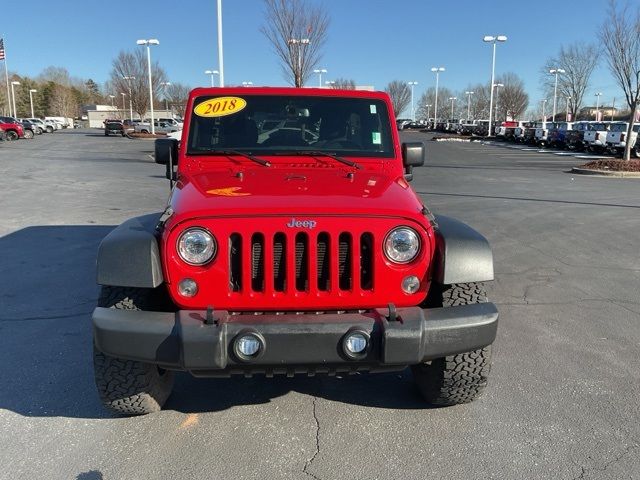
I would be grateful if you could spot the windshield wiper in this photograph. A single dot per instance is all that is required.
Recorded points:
(262, 162)
(323, 154)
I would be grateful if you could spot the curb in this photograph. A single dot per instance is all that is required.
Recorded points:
(605, 173)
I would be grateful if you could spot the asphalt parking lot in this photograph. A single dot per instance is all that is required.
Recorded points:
(563, 396)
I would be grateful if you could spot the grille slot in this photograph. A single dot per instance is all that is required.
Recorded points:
(302, 262)
(279, 262)
(323, 261)
(366, 261)
(235, 262)
(257, 262)
(344, 261)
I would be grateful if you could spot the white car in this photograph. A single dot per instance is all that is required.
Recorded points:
(595, 138)
(542, 131)
(617, 138)
(159, 127)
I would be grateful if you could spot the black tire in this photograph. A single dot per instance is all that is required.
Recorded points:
(49, 129)
(460, 378)
(128, 387)
(12, 135)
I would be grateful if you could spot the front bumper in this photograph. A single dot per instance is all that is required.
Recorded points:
(293, 343)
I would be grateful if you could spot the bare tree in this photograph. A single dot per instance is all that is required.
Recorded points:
(134, 66)
(578, 61)
(297, 32)
(63, 103)
(343, 84)
(400, 94)
(513, 100)
(177, 96)
(429, 98)
(620, 35)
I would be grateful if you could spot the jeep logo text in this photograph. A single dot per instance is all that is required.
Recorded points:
(302, 223)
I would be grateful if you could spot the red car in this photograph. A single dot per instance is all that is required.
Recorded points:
(304, 251)
(13, 130)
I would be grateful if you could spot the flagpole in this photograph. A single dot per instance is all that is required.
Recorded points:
(6, 76)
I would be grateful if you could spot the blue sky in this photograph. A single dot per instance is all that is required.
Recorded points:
(371, 41)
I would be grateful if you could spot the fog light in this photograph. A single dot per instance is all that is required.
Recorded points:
(187, 287)
(247, 346)
(355, 344)
(410, 284)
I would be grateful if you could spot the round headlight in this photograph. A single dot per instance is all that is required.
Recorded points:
(196, 246)
(402, 245)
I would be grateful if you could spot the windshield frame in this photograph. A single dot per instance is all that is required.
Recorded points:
(362, 105)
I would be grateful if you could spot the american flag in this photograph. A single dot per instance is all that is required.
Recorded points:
(1, 49)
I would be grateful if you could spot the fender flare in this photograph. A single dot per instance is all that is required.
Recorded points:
(462, 254)
(129, 255)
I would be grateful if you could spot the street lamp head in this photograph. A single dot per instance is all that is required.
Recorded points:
(141, 42)
(437, 69)
(469, 93)
(498, 84)
(320, 70)
(33, 90)
(128, 77)
(112, 96)
(154, 41)
(501, 38)
(598, 94)
(488, 38)
(453, 98)
(412, 83)
(15, 82)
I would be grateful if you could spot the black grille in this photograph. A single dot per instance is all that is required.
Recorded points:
(276, 249)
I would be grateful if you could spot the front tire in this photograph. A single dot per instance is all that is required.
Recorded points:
(128, 387)
(459, 378)
(28, 134)
(12, 136)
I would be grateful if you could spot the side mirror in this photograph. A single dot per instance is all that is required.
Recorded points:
(166, 149)
(412, 156)
(166, 153)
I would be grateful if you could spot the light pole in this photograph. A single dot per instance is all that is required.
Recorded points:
(128, 79)
(437, 71)
(566, 117)
(468, 94)
(544, 115)
(597, 105)
(452, 100)
(31, 92)
(497, 86)
(148, 43)
(613, 108)
(220, 52)
(112, 105)
(13, 96)
(247, 84)
(493, 39)
(212, 73)
(413, 111)
(164, 86)
(320, 71)
(428, 105)
(555, 71)
(300, 42)
(124, 106)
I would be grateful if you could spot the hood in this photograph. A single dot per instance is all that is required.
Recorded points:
(320, 189)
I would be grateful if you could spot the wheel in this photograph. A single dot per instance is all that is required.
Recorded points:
(12, 135)
(49, 129)
(28, 134)
(144, 131)
(40, 131)
(635, 151)
(128, 387)
(460, 378)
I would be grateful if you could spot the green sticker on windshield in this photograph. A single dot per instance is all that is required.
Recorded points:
(376, 139)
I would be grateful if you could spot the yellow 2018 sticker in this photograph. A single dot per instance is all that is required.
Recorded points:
(220, 107)
(228, 192)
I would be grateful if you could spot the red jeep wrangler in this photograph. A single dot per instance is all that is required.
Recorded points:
(292, 243)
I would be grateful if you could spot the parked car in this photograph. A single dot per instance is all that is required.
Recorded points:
(557, 136)
(173, 122)
(30, 130)
(114, 126)
(520, 130)
(12, 128)
(2, 135)
(595, 138)
(40, 125)
(541, 133)
(401, 123)
(574, 139)
(617, 138)
(62, 121)
(159, 127)
(52, 126)
(270, 260)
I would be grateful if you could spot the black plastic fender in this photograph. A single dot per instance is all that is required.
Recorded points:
(462, 254)
(129, 256)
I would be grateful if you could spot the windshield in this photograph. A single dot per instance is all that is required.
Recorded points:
(270, 124)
